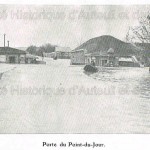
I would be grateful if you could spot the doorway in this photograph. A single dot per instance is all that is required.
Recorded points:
(12, 59)
(104, 62)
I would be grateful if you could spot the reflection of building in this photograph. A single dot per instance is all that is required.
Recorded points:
(63, 52)
(12, 55)
(78, 57)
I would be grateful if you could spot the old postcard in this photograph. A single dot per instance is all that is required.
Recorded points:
(74, 69)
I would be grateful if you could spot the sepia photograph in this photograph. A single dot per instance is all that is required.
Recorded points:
(74, 69)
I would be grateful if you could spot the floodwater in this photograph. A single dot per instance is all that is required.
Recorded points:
(59, 98)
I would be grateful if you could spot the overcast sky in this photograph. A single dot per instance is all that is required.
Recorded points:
(65, 25)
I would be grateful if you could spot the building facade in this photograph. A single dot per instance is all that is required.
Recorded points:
(102, 60)
(78, 57)
(13, 55)
(128, 61)
(62, 52)
(49, 55)
(110, 59)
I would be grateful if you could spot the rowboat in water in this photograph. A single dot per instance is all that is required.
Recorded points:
(90, 68)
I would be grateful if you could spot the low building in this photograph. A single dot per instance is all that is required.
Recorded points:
(30, 59)
(102, 58)
(49, 55)
(126, 62)
(129, 61)
(78, 57)
(105, 57)
(110, 59)
(12, 55)
(62, 52)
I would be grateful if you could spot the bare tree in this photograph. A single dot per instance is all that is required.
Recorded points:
(32, 49)
(140, 33)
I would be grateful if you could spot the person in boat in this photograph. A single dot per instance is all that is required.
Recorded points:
(93, 63)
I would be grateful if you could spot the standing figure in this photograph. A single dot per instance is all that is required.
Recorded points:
(42, 56)
(93, 63)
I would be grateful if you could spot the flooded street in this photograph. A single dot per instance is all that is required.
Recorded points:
(59, 98)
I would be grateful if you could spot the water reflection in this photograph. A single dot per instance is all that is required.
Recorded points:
(136, 83)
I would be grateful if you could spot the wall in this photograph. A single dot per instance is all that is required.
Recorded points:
(2, 58)
(78, 58)
(50, 55)
(16, 58)
(102, 60)
(98, 60)
(63, 55)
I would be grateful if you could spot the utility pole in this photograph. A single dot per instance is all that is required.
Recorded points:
(4, 39)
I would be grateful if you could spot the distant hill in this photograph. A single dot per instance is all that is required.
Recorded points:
(104, 43)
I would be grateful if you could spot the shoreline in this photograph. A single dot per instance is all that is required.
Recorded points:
(5, 68)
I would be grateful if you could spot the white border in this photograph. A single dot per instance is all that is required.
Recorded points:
(77, 2)
(112, 142)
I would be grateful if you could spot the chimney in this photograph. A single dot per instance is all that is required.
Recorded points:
(4, 39)
(8, 43)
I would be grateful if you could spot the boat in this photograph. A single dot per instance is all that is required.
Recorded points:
(90, 68)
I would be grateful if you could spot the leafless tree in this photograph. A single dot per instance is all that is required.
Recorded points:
(140, 33)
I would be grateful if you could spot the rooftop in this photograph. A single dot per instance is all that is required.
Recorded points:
(10, 50)
(78, 50)
(125, 59)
